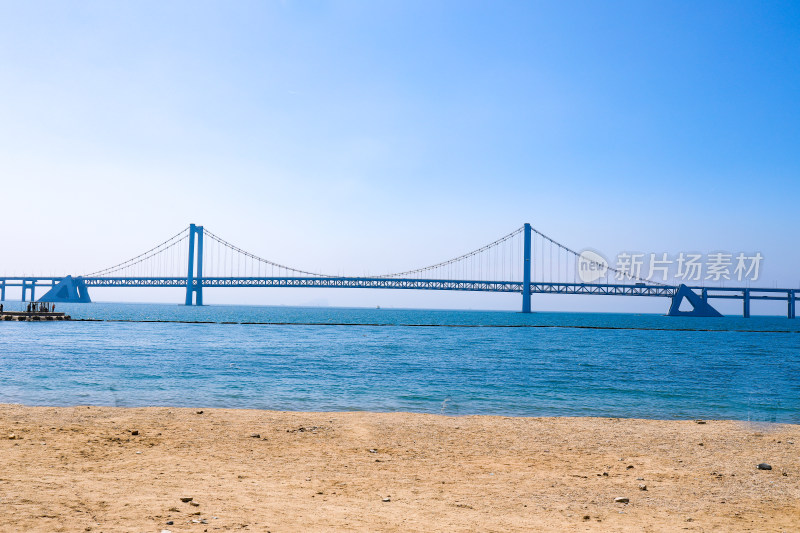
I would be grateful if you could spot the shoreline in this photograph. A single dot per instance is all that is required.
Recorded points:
(90, 468)
(763, 424)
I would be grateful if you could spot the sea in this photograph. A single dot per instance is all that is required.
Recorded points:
(424, 361)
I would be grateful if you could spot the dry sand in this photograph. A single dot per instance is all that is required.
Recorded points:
(83, 469)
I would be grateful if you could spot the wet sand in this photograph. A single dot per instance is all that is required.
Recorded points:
(116, 469)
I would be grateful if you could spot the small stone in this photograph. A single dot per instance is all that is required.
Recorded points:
(605, 474)
(386, 499)
(629, 467)
(700, 444)
(700, 421)
(255, 435)
(639, 479)
(764, 466)
(204, 521)
(373, 450)
(174, 510)
(199, 412)
(642, 486)
(12, 437)
(135, 432)
(587, 517)
(621, 500)
(170, 522)
(186, 499)
(194, 504)
(789, 442)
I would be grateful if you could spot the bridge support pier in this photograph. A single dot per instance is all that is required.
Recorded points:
(28, 284)
(526, 271)
(69, 289)
(746, 303)
(3, 291)
(700, 305)
(194, 280)
(791, 297)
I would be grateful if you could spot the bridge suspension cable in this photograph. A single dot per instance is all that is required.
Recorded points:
(495, 260)
(144, 264)
(546, 269)
(220, 260)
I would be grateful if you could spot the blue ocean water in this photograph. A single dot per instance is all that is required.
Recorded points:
(451, 362)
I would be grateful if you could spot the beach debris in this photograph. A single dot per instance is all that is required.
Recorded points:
(764, 466)
(373, 450)
(174, 510)
(386, 499)
(166, 531)
(204, 521)
(12, 437)
(639, 479)
(135, 432)
(587, 517)
(700, 421)
(255, 435)
(186, 499)
(200, 412)
(605, 474)
(170, 522)
(642, 486)
(621, 499)
(194, 504)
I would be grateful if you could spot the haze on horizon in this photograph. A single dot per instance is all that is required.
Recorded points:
(364, 137)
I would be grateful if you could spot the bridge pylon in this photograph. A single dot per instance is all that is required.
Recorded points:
(194, 278)
(526, 271)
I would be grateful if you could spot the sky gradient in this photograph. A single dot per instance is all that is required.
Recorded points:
(382, 136)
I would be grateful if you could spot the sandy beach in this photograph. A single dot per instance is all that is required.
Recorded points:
(120, 469)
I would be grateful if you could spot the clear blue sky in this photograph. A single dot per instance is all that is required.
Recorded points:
(380, 136)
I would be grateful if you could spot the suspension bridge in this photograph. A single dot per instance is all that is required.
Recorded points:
(524, 261)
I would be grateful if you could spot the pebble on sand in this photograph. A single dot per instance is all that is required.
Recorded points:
(621, 499)
(186, 499)
(386, 499)
(255, 435)
(194, 504)
(764, 466)
(642, 486)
